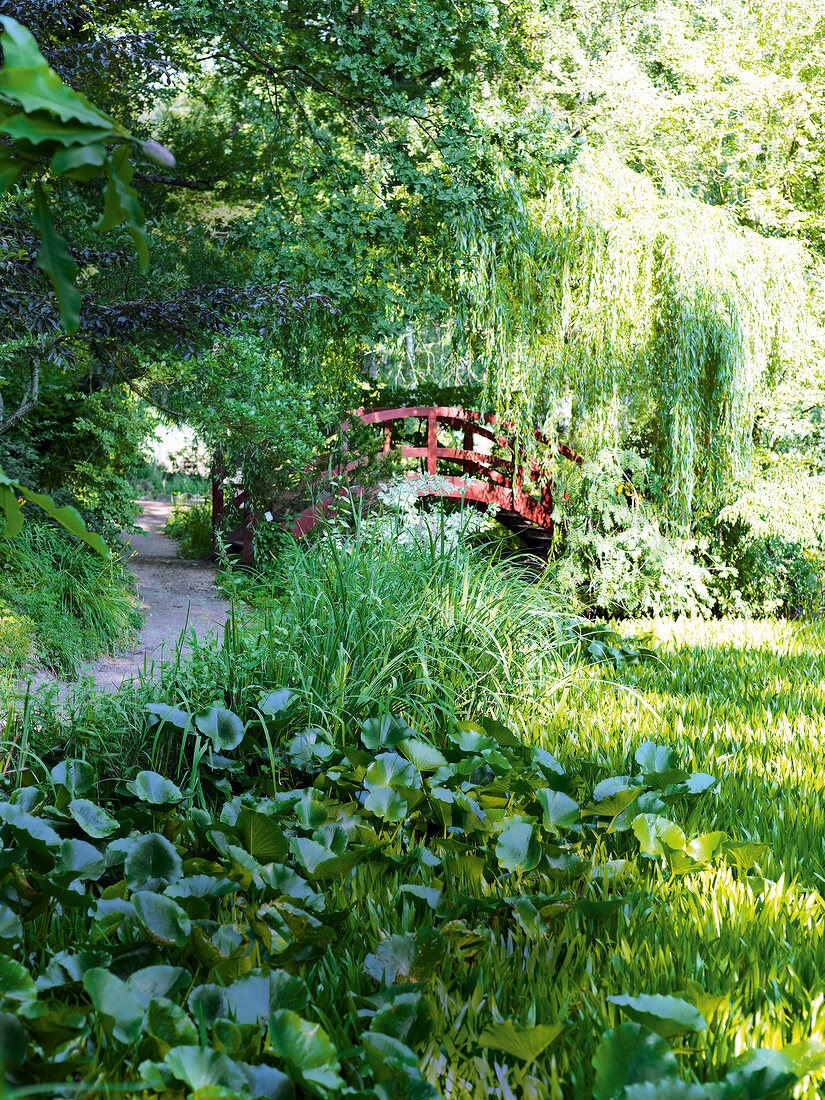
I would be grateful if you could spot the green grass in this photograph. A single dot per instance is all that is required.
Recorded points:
(738, 934)
(59, 602)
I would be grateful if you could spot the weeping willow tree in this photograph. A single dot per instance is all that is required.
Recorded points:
(647, 306)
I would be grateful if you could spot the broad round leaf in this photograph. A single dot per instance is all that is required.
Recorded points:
(306, 1048)
(630, 1055)
(77, 776)
(169, 1025)
(525, 1043)
(162, 918)
(13, 1042)
(114, 999)
(200, 1068)
(92, 819)
(223, 728)
(422, 755)
(518, 847)
(152, 863)
(657, 835)
(667, 1016)
(154, 789)
(560, 811)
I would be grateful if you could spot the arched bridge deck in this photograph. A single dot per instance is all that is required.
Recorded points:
(487, 478)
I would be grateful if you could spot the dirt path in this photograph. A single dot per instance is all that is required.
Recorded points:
(175, 596)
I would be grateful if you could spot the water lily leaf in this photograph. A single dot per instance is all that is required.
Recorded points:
(704, 848)
(200, 1068)
(169, 1025)
(667, 1016)
(80, 859)
(152, 982)
(92, 819)
(389, 769)
(613, 803)
(421, 755)
(11, 927)
(655, 758)
(13, 1042)
(223, 728)
(208, 1003)
(310, 747)
(15, 981)
(560, 811)
(671, 1088)
(385, 732)
(746, 853)
(287, 991)
(267, 1083)
(429, 894)
(77, 776)
(113, 998)
(321, 862)
(306, 1048)
(518, 847)
(152, 863)
(770, 1073)
(154, 789)
(699, 782)
(310, 811)
(407, 1016)
(386, 803)
(275, 702)
(262, 836)
(657, 835)
(525, 1043)
(248, 998)
(630, 1055)
(30, 829)
(392, 958)
(162, 714)
(162, 918)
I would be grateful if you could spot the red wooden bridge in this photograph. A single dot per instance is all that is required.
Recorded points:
(492, 479)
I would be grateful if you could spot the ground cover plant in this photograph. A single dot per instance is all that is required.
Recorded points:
(397, 891)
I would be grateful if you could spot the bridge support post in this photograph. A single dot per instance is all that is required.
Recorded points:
(432, 440)
(218, 475)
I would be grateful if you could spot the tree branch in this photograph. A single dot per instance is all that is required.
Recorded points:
(27, 402)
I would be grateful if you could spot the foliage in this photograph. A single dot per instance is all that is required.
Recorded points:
(245, 407)
(615, 557)
(448, 904)
(65, 602)
(191, 525)
(47, 121)
(765, 573)
(785, 499)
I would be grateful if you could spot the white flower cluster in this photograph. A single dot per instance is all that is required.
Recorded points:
(404, 521)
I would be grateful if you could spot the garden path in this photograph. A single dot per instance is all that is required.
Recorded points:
(175, 596)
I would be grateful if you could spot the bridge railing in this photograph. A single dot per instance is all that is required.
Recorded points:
(502, 478)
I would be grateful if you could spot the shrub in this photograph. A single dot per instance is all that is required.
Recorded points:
(617, 557)
(74, 604)
(191, 526)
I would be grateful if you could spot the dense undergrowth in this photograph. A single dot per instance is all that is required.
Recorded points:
(59, 603)
(395, 836)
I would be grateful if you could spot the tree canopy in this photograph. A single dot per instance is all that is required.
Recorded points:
(614, 209)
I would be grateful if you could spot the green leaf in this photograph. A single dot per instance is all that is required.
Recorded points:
(69, 518)
(223, 728)
(165, 714)
(54, 258)
(92, 819)
(560, 811)
(429, 894)
(152, 982)
(114, 999)
(162, 918)
(667, 1016)
(262, 836)
(655, 758)
(77, 776)
(15, 981)
(389, 769)
(386, 803)
(152, 863)
(275, 702)
(423, 756)
(657, 835)
(20, 49)
(525, 1043)
(11, 168)
(11, 927)
(121, 203)
(671, 1088)
(169, 1025)
(13, 523)
(306, 1048)
(518, 847)
(13, 1042)
(630, 1055)
(385, 732)
(80, 859)
(201, 1069)
(154, 789)
(704, 848)
(79, 162)
(27, 826)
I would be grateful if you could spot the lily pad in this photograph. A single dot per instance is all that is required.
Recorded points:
(223, 728)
